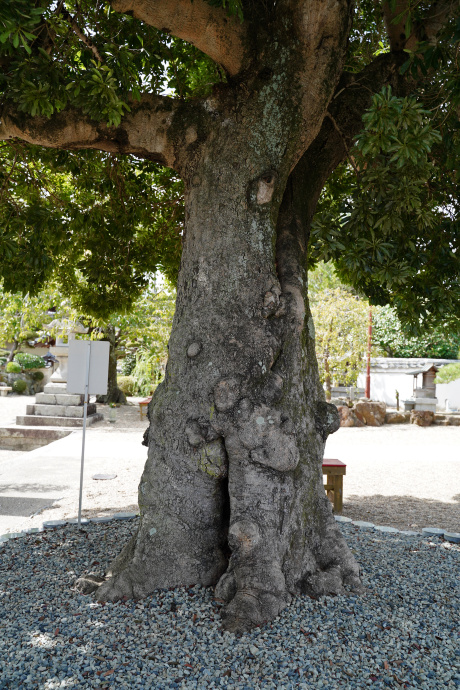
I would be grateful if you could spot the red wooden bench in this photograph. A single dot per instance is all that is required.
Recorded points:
(334, 470)
(143, 406)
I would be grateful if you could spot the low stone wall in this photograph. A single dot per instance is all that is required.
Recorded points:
(368, 413)
(33, 386)
(362, 414)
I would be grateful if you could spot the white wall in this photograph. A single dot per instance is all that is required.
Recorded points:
(385, 385)
(451, 391)
(389, 375)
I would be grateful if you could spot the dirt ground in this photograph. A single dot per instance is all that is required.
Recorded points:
(398, 475)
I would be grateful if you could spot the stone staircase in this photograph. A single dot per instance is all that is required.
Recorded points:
(54, 415)
(56, 407)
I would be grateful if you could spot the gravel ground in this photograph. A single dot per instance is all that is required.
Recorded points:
(403, 633)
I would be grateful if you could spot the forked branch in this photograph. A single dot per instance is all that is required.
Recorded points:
(208, 28)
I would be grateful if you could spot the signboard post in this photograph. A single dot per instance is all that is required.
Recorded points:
(87, 375)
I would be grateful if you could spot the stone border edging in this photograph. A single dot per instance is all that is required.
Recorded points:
(53, 524)
(452, 537)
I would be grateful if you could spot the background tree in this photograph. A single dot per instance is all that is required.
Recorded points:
(341, 321)
(449, 373)
(139, 337)
(232, 491)
(144, 329)
(390, 336)
(22, 318)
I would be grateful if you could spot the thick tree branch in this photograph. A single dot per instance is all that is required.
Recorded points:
(208, 28)
(396, 31)
(143, 132)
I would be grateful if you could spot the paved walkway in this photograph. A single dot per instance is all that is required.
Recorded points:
(404, 476)
(43, 484)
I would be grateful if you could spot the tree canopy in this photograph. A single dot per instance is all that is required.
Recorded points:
(388, 216)
(390, 336)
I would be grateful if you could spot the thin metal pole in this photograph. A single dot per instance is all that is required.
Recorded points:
(85, 413)
(369, 348)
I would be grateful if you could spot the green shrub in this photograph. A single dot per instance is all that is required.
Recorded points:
(19, 386)
(3, 361)
(143, 372)
(38, 375)
(13, 368)
(126, 384)
(28, 361)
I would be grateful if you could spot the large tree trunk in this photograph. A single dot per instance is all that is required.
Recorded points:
(232, 492)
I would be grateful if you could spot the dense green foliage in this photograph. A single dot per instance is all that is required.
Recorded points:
(28, 361)
(95, 223)
(101, 224)
(449, 373)
(389, 335)
(388, 218)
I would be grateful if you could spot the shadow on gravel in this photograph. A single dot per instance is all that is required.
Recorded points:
(404, 512)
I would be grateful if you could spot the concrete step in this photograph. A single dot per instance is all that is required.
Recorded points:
(59, 410)
(29, 438)
(33, 420)
(58, 399)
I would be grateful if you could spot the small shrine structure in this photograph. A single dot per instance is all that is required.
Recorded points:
(423, 397)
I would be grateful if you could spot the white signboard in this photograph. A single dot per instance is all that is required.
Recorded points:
(98, 366)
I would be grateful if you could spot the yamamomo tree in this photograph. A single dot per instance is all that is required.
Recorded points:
(232, 493)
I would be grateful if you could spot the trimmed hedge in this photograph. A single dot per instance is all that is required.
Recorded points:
(19, 386)
(126, 384)
(37, 375)
(13, 368)
(28, 361)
